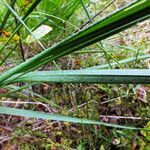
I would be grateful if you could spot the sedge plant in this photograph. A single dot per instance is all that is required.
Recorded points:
(120, 20)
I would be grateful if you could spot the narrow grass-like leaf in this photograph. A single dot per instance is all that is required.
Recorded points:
(86, 11)
(7, 15)
(127, 60)
(55, 17)
(42, 115)
(120, 20)
(9, 53)
(117, 76)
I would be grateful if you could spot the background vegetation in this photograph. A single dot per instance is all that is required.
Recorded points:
(121, 110)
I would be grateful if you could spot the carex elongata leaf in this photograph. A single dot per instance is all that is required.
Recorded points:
(112, 24)
(48, 116)
(117, 76)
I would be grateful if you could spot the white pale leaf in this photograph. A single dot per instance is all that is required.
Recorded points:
(39, 33)
(94, 1)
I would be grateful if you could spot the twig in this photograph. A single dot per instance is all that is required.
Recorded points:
(123, 117)
(20, 42)
(80, 106)
(5, 128)
(5, 139)
(87, 22)
(114, 99)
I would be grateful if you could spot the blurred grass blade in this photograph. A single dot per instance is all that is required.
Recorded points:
(7, 15)
(86, 11)
(112, 24)
(14, 89)
(23, 23)
(127, 60)
(30, 10)
(57, 18)
(7, 55)
(118, 76)
(41, 115)
(116, 22)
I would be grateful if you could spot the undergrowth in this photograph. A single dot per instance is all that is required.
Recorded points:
(122, 104)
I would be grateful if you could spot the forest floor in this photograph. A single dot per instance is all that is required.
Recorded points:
(126, 105)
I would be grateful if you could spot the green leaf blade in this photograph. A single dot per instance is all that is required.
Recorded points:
(47, 116)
